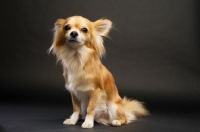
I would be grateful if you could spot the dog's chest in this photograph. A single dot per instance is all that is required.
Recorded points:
(78, 83)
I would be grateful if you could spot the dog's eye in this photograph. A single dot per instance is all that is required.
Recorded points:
(67, 27)
(84, 30)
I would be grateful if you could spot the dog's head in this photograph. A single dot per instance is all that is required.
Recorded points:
(77, 31)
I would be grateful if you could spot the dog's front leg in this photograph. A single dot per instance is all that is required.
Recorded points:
(76, 110)
(93, 101)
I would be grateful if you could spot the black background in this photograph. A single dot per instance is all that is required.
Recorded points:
(153, 53)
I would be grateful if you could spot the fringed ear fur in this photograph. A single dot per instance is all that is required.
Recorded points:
(59, 23)
(103, 27)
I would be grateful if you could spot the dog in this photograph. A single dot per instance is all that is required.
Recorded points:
(78, 45)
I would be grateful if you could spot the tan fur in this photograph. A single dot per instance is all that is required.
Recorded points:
(92, 87)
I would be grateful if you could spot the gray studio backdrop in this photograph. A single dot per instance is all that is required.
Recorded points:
(153, 53)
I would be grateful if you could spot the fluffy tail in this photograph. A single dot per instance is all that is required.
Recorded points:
(133, 109)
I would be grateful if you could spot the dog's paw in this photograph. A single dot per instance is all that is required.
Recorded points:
(116, 123)
(69, 122)
(87, 124)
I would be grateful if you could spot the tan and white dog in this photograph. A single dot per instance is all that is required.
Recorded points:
(78, 44)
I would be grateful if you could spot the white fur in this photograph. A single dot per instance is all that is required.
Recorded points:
(73, 59)
(112, 110)
(116, 123)
(74, 64)
(105, 112)
(88, 123)
(130, 117)
(72, 120)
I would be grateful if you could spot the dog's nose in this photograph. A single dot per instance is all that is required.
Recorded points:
(73, 34)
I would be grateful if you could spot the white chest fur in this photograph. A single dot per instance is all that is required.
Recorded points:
(78, 83)
(73, 60)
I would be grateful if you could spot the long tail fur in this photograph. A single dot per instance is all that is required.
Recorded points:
(133, 109)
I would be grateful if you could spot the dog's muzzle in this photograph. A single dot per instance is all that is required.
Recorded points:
(73, 37)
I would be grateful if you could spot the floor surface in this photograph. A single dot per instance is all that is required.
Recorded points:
(49, 118)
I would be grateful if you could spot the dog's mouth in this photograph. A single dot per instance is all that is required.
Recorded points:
(73, 41)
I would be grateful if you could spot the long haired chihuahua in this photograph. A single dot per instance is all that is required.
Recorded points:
(78, 45)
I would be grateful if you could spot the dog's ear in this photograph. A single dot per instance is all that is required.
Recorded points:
(103, 26)
(59, 23)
